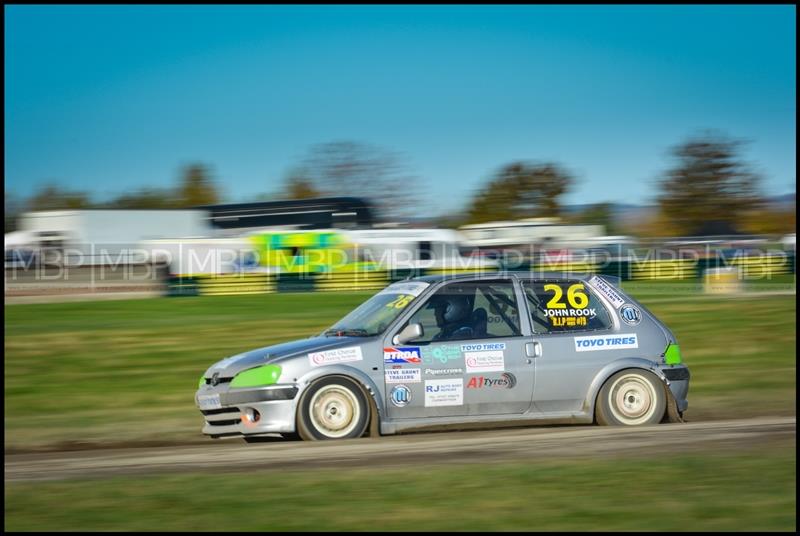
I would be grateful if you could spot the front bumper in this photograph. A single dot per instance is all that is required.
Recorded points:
(677, 379)
(242, 412)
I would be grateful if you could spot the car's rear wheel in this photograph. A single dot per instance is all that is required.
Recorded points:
(631, 397)
(333, 408)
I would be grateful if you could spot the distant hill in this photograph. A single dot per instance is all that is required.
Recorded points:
(626, 213)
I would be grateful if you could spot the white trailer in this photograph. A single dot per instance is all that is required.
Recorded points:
(416, 248)
(546, 232)
(94, 236)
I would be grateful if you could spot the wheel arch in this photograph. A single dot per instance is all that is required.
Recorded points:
(590, 403)
(367, 385)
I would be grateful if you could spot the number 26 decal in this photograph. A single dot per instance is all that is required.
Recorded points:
(576, 296)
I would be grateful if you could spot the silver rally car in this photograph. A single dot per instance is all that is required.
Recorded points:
(458, 351)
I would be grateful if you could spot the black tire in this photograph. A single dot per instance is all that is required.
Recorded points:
(333, 408)
(631, 397)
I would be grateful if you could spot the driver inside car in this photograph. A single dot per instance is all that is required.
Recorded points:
(453, 316)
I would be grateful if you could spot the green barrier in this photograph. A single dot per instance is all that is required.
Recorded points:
(294, 282)
(182, 286)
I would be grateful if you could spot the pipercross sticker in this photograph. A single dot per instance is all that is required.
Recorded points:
(404, 354)
(330, 357)
(443, 371)
(605, 342)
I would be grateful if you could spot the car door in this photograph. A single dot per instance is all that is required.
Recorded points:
(471, 356)
(564, 314)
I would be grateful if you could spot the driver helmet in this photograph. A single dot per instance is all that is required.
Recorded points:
(452, 307)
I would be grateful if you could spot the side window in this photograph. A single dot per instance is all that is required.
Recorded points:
(561, 306)
(464, 311)
(500, 306)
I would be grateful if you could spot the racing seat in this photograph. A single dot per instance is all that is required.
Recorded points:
(480, 320)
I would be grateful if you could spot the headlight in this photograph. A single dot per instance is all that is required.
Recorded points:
(257, 377)
(672, 355)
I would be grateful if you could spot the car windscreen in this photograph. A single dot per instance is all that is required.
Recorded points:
(374, 315)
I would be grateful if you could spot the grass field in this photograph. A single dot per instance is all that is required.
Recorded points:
(119, 371)
(750, 490)
(126, 372)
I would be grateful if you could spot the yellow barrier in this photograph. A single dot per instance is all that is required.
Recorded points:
(664, 269)
(722, 281)
(458, 270)
(333, 281)
(568, 266)
(235, 284)
(760, 267)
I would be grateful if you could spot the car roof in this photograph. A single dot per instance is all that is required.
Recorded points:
(523, 274)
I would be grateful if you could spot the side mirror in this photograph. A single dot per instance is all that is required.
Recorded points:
(410, 332)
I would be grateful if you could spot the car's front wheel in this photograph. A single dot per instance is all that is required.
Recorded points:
(631, 397)
(333, 408)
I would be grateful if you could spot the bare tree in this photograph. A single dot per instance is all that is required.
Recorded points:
(709, 186)
(521, 190)
(196, 187)
(51, 197)
(299, 186)
(347, 168)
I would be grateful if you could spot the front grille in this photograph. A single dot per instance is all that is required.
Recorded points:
(224, 423)
(219, 411)
(676, 374)
(259, 395)
(220, 380)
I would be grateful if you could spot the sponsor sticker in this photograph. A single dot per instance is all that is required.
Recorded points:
(414, 288)
(483, 346)
(630, 314)
(402, 354)
(409, 375)
(443, 371)
(505, 381)
(491, 361)
(400, 395)
(442, 354)
(209, 401)
(331, 357)
(448, 392)
(605, 342)
(607, 290)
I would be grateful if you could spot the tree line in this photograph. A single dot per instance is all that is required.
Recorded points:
(708, 189)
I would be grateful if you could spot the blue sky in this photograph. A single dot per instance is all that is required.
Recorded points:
(108, 99)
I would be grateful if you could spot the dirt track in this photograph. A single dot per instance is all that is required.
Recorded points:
(538, 443)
